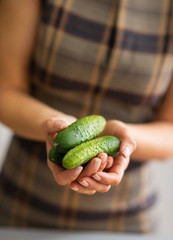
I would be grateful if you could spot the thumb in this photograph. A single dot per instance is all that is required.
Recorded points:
(128, 145)
(52, 126)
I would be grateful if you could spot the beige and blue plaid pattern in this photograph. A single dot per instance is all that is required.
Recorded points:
(109, 57)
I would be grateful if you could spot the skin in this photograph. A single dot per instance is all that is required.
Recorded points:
(18, 29)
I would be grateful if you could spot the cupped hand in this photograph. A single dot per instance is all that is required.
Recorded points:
(50, 128)
(113, 171)
(121, 130)
(85, 183)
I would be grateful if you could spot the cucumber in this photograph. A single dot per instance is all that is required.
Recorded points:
(88, 150)
(79, 132)
(55, 156)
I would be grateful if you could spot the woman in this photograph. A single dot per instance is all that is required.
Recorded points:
(112, 58)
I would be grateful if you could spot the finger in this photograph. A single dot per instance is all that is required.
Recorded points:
(92, 167)
(51, 126)
(63, 176)
(121, 131)
(103, 156)
(128, 144)
(90, 183)
(80, 189)
(115, 174)
(109, 162)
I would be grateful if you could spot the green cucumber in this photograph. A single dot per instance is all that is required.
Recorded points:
(88, 150)
(55, 156)
(79, 132)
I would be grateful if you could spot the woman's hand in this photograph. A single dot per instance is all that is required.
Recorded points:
(85, 183)
(123, 133)
(114, 169)
(50, 128)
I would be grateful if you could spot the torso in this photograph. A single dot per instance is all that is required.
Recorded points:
(106, 57)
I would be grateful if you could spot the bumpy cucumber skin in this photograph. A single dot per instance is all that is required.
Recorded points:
(88, 150)
(79, 132)
(55, 156)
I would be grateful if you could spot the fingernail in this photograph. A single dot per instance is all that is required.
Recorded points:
(75, 188)
(63, 125)
(103, 155)
(126, 151)
(84, 183)
(60, 125)
(78, 170)
(97, 163)
(96, 177)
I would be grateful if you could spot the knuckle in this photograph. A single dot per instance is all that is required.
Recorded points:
(133, 143)
(48, 122)
(119, 123)
(60, 181)
(91, 192)
(117, 180)
(105, 189)
(125, 131)
(102, 155)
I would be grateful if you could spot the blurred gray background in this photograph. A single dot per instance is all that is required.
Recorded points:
(163, 173)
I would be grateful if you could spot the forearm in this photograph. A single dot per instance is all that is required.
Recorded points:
(24, 114)
(154, 140)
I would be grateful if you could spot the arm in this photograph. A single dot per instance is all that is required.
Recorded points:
(155, 140)
(139, 141)
(18, 26)
(25, 115)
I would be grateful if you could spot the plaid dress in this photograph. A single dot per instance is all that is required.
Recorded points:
(108, 57)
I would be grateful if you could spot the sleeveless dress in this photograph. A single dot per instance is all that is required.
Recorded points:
(108, 57)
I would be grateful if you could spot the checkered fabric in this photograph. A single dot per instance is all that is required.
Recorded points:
(108, 57)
